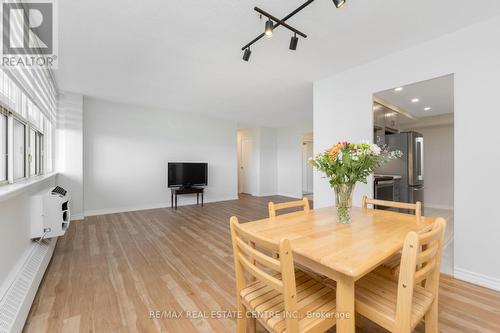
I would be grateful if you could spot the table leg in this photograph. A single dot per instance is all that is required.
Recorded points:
(176, 201)
(201, 199)
(171, 199)
(345, 304)
(197, 198)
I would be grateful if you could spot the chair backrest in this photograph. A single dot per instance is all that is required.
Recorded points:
(417, 207)
(420, 264)
(247, 258)
(273, 208)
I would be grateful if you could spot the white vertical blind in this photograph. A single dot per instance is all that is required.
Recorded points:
(37, 83)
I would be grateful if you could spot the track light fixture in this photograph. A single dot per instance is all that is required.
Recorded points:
(293, 42)
(339, 3)
(274, 22)
(268, 31)
(246, 54)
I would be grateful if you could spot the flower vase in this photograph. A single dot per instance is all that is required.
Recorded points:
(343, 202)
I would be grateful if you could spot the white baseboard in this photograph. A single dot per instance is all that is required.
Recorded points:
(105, 211)
(16, 301)
(266, 194)
(77, 217)
(438, 206)
(290, 195)
(476, 278)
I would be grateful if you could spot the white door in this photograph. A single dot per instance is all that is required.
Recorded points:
(307, 169)
(246, 166)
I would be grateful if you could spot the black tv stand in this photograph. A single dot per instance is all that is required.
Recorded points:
(186, 190)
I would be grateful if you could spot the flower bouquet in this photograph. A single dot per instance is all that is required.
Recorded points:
(347, 163)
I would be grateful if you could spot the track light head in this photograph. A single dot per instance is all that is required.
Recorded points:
(293, 42)
(339, 3)
(246, 54)
(268, 31)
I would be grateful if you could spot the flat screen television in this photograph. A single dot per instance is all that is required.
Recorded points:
(187, 174)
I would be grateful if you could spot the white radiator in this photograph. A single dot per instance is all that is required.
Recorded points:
(16, 302)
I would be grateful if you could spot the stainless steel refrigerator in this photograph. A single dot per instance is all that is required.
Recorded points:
(410, 167)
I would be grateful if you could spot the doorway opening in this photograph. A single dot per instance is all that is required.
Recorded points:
(247, 168)
(418, 119)
(307, 168)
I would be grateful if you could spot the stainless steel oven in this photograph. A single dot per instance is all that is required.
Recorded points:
(387, 188)
(384, 189)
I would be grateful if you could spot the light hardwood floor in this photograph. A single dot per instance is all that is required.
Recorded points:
(109, 272)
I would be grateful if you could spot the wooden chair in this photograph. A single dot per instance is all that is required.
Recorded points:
(416, 207)
(273, 208)
(391, 267)
(400, 306)
(280, 297)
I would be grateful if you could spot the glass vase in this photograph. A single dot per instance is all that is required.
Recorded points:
(343, 202)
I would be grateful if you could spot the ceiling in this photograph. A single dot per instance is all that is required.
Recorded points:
(436, 93)
(184, 55)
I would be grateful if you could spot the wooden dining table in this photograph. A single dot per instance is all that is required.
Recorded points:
(342, 252)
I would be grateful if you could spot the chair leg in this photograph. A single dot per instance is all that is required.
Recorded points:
(241, 321)
(252, 324)
(431, 318)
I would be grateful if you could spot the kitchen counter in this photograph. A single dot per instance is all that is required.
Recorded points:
(387, 177)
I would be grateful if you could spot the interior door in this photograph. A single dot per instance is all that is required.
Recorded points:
(246, 166)
(307, 169)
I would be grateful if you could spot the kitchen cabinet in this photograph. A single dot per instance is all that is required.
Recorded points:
(378, 116)
(392, 120)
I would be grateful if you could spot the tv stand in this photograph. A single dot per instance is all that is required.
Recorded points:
(174, 192)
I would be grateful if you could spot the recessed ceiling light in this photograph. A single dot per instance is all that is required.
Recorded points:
(427, 108)
(415, 100)
(398, 89)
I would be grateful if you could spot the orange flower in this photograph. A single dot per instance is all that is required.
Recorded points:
(334, 151)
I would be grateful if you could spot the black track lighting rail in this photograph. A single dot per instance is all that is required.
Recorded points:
(274, 22)
(279, 22)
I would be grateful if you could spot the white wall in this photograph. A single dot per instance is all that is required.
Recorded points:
(342, 110)
(15, 242)
(289, 148)
(438, 166)
(268, 161)
(69, 149)
(127, 149)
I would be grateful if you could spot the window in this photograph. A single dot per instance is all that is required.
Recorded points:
(39, 153)
(35, 153)
(3, 148)
(19, 155)
(26, 133)
(31, 155)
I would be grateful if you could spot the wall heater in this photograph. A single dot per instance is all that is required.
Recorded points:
(50, 213)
